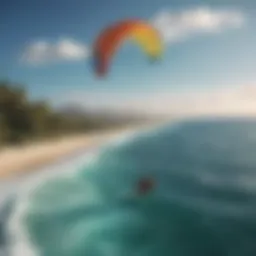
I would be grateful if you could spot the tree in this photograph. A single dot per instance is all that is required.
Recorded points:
(22, 120)
(13, 109)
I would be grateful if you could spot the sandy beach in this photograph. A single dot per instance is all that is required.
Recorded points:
(15, 161)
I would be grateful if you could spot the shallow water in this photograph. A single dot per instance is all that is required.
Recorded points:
(204, 202)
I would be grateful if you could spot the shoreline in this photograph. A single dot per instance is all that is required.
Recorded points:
(27, 159)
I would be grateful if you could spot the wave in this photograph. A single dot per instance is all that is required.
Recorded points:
(18, 203)
(202, 205)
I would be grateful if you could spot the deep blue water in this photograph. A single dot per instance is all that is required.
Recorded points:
(204, 202)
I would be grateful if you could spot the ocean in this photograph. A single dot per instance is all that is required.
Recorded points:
(203, 202)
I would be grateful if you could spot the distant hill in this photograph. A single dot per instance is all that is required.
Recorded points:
(76, 111)
(72, 110)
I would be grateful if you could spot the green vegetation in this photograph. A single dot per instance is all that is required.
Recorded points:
(22, 120)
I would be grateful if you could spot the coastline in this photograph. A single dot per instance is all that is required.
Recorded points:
(23, 160)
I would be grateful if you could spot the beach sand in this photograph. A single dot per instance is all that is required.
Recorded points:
(15, 161)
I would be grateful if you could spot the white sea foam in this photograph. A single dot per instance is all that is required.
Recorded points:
(20, 244)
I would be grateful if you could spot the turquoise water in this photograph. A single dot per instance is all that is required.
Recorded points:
(204, 202)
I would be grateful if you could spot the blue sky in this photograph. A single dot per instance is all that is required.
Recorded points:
(209, 45)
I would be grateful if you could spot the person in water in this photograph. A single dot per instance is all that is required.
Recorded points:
(145, 185)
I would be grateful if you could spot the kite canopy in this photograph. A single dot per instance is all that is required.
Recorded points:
(111, 38)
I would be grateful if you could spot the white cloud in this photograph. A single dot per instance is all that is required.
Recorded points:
(177, 26)
(174, 27)
(66, 49)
